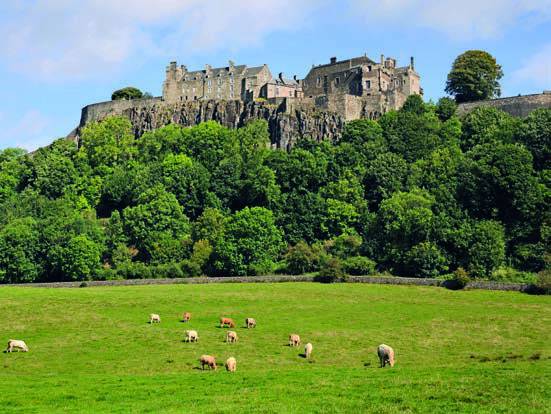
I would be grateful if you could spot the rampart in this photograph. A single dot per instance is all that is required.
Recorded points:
(288, 119)
(519, 106)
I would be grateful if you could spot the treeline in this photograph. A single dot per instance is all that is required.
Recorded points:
(418, 193)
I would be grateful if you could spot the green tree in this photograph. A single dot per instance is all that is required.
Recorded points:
(445, 108)
(487, 248)
(157, 215)
(361, 131)
(384, 176)
(128, 93)
(425, 260)
(535, 133)
(79, 259)
(485, 125)
(251, 244)
(474, 76)
(108, 143)
(19, 251)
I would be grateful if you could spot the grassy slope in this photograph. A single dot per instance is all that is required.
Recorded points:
(92, 350)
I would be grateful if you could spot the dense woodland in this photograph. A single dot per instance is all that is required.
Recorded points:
(420, 192)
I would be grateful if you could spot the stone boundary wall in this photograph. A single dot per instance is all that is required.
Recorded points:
(383, 280)
(519, 106)
(101, 110)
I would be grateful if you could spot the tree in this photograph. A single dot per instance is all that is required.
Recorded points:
(80, 259)
(487, 248)
(128, 93)
(19, 251)
(535, 134)
(385, 175)
(109, 142)
(485, 125)
(251, 244)
(445, 108)
(474, 76)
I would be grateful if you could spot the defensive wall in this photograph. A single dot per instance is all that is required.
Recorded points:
(519, 106)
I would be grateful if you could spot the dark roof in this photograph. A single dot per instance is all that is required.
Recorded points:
(288, 82)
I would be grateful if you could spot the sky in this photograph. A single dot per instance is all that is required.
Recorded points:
(57, 56)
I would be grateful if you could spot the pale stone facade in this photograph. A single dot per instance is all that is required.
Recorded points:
(237, 82)
(353, 88)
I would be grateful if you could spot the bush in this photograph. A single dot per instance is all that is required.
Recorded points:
(543, 282)
(459, 280)
(168, 270)
(135, 270)
(425, 260)
(331, 272)
(190, 268)
(300, 259)
(508, 274)
(358, 265)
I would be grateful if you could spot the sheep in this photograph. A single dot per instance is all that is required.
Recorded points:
(386, 354)
(191, 336)
(231, 337)
(231, 364)
(208, 360)
(227, 321)
(250, 323)
(154, 318)
(186, 317)
(17, 344)
(308, 350)
(294, 340)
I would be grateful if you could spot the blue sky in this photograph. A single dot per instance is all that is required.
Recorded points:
(57, 56)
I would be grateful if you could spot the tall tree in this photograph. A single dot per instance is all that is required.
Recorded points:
(474, 76)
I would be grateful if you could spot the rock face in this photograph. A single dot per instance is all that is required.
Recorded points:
(287, 121)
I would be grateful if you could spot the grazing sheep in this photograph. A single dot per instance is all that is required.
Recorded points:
(231, 336)
(294, 340)
(17, 344)
(154, 318)
(191, 336)
(250, 323)
(186, 317)
(386, 355)
(308, 350)
(227, 321)
(208, 360)
(231, 364)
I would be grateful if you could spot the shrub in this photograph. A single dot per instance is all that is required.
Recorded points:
(331, 272)
(168, 270)
(300, 259)
(543, 282)
(358, 265)
(425, 260)
(136, 270)
(508, 274)
(459, 279)
(190, 268)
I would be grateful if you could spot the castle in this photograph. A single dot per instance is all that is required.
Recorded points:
(353, 88)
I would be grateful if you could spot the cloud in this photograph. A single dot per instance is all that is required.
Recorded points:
(536, 70)
(65, 39)
(30, 132)
(460, 20)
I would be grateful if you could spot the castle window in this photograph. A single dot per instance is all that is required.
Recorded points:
(290, 93)
(337, 81)
(369, 68)
(209, 82)
(318, 81)
(367, 84)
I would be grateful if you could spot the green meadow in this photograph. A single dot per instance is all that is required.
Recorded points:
(92, 350)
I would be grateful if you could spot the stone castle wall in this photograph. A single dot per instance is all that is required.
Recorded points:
(519, 106)
(288, 119)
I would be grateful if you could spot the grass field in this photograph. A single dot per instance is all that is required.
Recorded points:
(92, 350)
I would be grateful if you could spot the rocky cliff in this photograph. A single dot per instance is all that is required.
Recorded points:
(287, 120)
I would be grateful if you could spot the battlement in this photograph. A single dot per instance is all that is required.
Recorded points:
(519, 106)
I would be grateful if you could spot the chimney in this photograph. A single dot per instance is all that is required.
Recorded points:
(172, 65)
(411, 63)
(295, 77)
(382, 59)
(333, 60)
(280, 76)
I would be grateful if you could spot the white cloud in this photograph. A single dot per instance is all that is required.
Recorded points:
(536, 70)
(458, 19)
(30, 132)
(63, 39)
